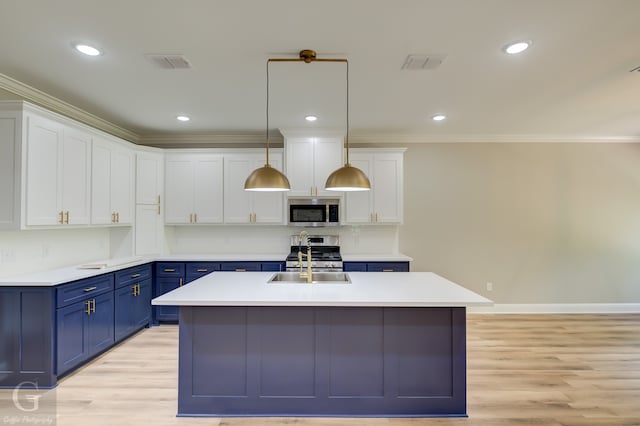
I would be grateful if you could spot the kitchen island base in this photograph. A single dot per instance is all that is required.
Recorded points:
(322, 361)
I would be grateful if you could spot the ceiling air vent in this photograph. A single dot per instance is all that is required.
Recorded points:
(170, 62)
(423, 62)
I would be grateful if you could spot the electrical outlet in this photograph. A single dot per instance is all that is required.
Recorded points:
(489, 286)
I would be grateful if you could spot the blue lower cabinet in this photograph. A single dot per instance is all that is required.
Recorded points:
(195, 270)
(376, 266)
(241, 266)
(274, 266)
(168, 276)
(27, 336)
(84, 329)
(132, 308)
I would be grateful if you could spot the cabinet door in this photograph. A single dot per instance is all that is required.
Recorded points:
(165, 285)
(124, 305)
(237, 201)
(101, 213)
(208, 193)
(75, 172)
(327, 158)
(148, 230)
(142, 305)
(179, 190)
(44, 141)
(122, 185)
(72, 333)
(388, 200)
(268, 207)
(359, 204)
(101, 332)
(299, 170)
(148, 177)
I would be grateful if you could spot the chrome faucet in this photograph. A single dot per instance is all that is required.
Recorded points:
(308, 274)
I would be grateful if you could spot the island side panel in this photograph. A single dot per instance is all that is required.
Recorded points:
(306, 361)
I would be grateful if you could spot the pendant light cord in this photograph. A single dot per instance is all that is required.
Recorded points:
(267, 129)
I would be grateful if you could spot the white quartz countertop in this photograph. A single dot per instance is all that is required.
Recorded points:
(399, 289)
(53, 277)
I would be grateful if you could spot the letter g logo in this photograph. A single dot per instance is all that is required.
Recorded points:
(27, 403)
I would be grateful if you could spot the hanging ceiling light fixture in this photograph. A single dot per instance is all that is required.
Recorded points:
(346, 178)
(266, 178)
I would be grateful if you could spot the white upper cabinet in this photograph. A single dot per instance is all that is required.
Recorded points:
(10, 167)
(112, 183)
(242, 206)
(148, 178)
(384, 203)
(193, 188)
(57, 173)
(310, 160)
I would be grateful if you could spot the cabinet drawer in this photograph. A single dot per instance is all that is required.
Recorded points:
(131, 275)
(170, 269)
(196, 270)
(273, 266)
(388, 267)
(80, 290)
(241, 266)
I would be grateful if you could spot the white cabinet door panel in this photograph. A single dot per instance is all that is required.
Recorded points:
(208, 194)
(268, 207)
(44, 140)
(388, 189)
(122, 185)
(179, 190)
(237, 201)
(101, 213)
(359, 204)
(299, 170)
(327, 159)
(75, 177)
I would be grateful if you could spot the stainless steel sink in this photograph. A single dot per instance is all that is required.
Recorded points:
(318, 278)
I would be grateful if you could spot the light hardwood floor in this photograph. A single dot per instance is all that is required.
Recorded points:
(542, 370)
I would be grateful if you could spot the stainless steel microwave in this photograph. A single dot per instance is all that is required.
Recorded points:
(314, 212)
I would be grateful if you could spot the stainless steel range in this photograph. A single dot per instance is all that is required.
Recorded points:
(325, 252)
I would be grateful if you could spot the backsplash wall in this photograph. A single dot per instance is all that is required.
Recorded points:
(38, 250)
(270, 239)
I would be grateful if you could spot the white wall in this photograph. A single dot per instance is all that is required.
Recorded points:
(38, 250)
(543, 222)
(257, 239)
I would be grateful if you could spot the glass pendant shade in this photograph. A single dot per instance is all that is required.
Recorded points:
(348, 178)
(267, 178)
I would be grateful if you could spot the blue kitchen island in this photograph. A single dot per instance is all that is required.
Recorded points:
(383, 345)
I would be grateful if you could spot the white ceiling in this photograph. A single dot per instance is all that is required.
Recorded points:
(574, 83)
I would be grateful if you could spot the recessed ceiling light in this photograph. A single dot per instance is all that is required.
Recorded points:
(182, 118)
(517, 47)
(438, 117)
(87, 50)
(311, 118)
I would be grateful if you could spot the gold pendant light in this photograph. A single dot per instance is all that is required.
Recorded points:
(266, 178)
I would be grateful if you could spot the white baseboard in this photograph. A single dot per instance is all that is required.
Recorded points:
(557, 308)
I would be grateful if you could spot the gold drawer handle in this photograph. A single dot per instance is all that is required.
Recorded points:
(87, 290)
(88, 311)
(202, 270)
(135, 275)
(241, 270)
(169, 270)
(387, 270)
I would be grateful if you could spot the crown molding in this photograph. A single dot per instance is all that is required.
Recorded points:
(417, 138)
(59, 106)
(203, 140)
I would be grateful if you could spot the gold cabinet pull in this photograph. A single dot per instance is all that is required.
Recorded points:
(387, 270)
(113, 218)
(169, 270)
(61, 217)
(135, 275)
(180, 282)
(158, 205)
(117, 217)
(202, 270)
(93, 305)
(88, 289)
(241, 270)
(190, 217)
(135, 290)
(88, 310)
(66, 217)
